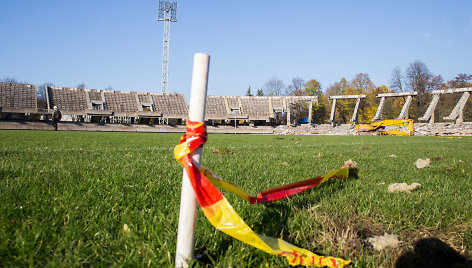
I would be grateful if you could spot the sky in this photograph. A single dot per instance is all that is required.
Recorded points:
(118, 43)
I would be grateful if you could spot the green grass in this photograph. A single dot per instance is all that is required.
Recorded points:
(65, 197)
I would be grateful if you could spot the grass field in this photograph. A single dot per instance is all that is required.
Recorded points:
(111, 199)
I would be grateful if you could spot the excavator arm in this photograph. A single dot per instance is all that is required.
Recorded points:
(379, 126)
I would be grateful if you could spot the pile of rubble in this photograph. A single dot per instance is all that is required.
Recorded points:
(325, 129)
(443, 129)
(421, 129)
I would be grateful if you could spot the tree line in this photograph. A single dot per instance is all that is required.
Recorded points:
(417, 77)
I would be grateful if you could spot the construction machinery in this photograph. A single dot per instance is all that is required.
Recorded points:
(387, 127)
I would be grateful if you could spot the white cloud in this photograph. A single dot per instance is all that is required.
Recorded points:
(426, 35)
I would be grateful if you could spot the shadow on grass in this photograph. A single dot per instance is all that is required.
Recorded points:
(432, 252)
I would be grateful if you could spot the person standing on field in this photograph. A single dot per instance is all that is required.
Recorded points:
(56, 117)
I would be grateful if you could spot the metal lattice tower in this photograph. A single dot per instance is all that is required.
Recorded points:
(167, 12)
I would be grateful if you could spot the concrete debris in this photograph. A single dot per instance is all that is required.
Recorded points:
(422, 163)
(421, 129)
(443, 129)
(402, 187)
(382, 242)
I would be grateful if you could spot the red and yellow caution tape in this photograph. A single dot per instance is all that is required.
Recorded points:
(222, 215)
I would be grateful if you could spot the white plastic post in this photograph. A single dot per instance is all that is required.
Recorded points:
(188, 203)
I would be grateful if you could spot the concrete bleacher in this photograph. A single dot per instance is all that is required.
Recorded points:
(70, 100)
(79, 104)
(216, 108)
(121, 103)
(126, 104)
(18, 98)
(251, 108)
(171, 105)
(256, 107)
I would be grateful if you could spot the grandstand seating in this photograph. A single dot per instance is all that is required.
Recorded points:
(256, 107)
(170, 105)
(18, 98)
(216, 108)
(69, 100)
(250, 108)
(130, 104)
(121, 103)
(82, 103)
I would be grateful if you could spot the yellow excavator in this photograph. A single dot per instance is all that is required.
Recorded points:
(379, 127)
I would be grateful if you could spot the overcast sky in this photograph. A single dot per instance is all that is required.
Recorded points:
(119, 43)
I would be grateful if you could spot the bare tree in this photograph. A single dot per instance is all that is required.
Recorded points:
(295, 88)
(41, 94)
(10, 80)
(420, 79)
(461, 80)
(81, 85)
(362, 83)
(274, 87)
(397, 80)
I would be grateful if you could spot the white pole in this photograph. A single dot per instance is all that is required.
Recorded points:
(188, 203)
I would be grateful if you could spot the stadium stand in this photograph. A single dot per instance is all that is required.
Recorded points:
(216, 108)
(91, 105)
(257, 108)
(122, 103)
(116, 106)
(69, 100)
(252, 108)
(18, 98)
(170, 105)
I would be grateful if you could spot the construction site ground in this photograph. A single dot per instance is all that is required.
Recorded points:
(421, 129)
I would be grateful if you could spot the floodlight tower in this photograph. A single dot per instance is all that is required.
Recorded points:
(168, 13)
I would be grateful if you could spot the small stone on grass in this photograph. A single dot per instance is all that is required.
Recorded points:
(402, 187)
(422, 163)
(382, 242)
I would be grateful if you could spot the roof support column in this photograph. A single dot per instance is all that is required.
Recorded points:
(332, 117)
(355, 114)
(405, 108)
(378, 114)
(310, 112)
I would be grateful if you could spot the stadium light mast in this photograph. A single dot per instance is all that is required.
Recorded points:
(167, 12)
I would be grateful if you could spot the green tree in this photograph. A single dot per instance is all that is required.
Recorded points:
(248, 92)
(260, 92)
(361, 83)
(321, 110)
(342, 110)
(313, 88)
